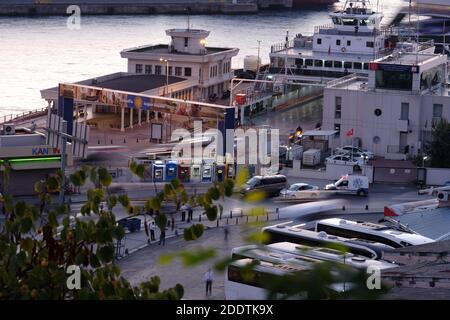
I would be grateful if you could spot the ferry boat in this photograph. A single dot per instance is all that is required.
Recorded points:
(347, 45)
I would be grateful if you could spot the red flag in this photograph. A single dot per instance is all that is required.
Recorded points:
(349, 133)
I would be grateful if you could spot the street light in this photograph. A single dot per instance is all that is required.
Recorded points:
(424, 158)
(167, 73)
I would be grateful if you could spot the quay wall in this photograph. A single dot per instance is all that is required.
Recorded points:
(136, 7)
(122, 7)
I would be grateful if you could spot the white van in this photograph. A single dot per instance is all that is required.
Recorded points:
(351, 183)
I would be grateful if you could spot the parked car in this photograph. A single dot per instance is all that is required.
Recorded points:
(271, 185)
(295, 189)
(350, 149)
(342, 159)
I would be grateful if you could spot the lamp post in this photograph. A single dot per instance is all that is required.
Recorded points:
(424, 158)
(167, 73)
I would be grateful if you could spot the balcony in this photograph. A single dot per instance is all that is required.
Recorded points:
(403, 125)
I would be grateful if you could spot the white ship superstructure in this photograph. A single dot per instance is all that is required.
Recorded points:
(347, 45)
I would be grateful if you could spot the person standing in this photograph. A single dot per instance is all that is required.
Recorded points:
(190, 213)
(209, 278)
(162, 237)
(152, 230)
(173, 222)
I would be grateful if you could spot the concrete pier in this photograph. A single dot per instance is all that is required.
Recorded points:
(144, 7)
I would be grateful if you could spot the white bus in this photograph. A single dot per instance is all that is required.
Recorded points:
(297, 233)
(302, 254)
(371, 232)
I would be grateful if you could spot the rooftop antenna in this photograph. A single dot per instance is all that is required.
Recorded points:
(188, 18)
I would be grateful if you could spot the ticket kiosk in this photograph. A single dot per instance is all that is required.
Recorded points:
(196, 173)
(158, 171)
(207, 171)
(184, 172)
(171, 170)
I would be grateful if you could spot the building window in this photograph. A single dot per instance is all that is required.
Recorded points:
(318, 63)
(158, 70)
(378, 112)
(338, 64)
(349, 43)
(437, 111)
(357, 65)
(337, 127)
(328, 64)
(347, 65)
(309, 62)
(298, 62)
(404, 112)
(319, 41)
(187, 72)
(337, 107)
(170, 70)
(148, 69)
(178, 71)
(393, 80)
(139, 68)
(338, 42)
(369, 44)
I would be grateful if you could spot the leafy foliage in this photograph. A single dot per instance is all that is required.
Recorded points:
(39, 242)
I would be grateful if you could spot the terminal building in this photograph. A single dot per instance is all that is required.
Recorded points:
(391, 111)
(185, 69)
(29, 158)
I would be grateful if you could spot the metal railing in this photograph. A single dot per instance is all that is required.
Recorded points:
(22, 116)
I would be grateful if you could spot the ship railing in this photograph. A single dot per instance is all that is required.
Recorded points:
(346, 79)
(282, 46)
(22, 116)
(317, 29)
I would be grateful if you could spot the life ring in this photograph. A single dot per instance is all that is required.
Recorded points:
(343, 49)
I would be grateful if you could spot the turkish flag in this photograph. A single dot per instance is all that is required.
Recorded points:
(349, 133)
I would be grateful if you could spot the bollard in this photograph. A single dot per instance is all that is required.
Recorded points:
(343, 208)
(231, 214)
(111, 141)
(124, 140)
(367, 207)
(98, 141)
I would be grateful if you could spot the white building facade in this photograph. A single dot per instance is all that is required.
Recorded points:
(393, 110)
(187, 56)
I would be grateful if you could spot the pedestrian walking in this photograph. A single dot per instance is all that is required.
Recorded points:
(152, 228)
(226, 231)
(162, 237)
(208, 278)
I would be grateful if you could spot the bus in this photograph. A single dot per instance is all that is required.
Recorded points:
(299, 234)
(370, 232)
